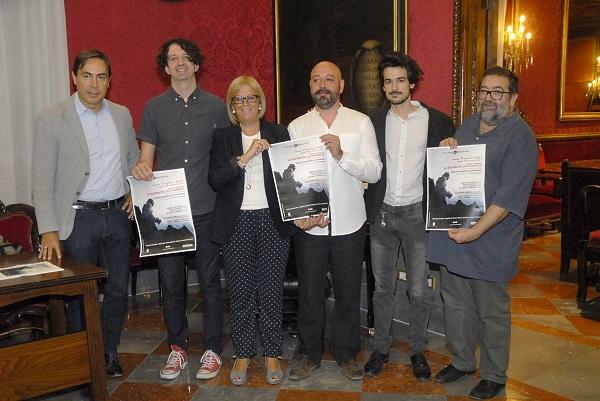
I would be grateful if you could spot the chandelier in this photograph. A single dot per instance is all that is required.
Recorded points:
(593, 87)
(517, 47)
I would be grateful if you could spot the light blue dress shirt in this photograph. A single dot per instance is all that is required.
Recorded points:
(105, 181)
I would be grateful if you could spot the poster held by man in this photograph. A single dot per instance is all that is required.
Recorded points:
(455, 191)
(300, 175)
(163, 214)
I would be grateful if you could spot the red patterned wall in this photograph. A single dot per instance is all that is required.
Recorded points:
(430, 44)
(239, 40)
(235, 39)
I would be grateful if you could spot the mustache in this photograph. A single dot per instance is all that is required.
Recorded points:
(323, 91)
(395, 93)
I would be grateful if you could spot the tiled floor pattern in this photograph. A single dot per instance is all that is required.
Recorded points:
(555, 354)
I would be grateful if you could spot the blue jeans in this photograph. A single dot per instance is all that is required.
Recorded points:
(102, 237)
(343, 256)
(400, 228)
(172, 275)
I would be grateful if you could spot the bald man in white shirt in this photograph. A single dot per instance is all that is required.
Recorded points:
(334, 243)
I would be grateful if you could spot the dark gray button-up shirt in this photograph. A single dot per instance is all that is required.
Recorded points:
(182, 133)
(510, 168)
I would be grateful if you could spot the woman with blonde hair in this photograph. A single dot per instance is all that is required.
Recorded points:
(247, 223)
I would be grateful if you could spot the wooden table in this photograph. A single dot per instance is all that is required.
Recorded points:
(43, 366)
(575, 176)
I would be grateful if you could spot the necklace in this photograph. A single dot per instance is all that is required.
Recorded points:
(248, 177)
(246, 143)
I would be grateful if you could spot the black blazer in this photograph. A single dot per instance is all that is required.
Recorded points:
(440, 126)
(227, 179)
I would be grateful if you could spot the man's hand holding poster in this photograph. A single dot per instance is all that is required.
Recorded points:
(300, 173)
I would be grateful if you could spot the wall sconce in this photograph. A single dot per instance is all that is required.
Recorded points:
(517, 47)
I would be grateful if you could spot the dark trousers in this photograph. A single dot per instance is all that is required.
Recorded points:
(477, 312)
(255, 260)
(172, 275)
(343, 256)
(102, 237)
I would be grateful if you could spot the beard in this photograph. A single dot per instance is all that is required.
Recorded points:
(492, 113)
(324, 98)
(398, 100)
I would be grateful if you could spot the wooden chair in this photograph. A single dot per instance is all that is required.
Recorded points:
(544, 206)
(589, 243)
(29, 320)
(571, 223)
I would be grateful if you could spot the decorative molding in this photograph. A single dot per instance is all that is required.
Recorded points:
(468, 55)
(567, 137)
(457, 63)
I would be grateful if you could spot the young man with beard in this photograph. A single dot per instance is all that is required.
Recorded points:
(334, 244)
(396, 207)
(478, 262)
(178, 126)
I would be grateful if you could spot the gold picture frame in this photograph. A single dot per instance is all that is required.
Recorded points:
(351, 33)
(581, 27)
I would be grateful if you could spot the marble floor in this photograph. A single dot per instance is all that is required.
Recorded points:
(555, 353)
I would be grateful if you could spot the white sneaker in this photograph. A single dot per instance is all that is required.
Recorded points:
(211, 364)
(176, 362)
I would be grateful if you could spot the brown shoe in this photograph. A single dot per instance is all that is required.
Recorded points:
(352, 370)
(301, 367)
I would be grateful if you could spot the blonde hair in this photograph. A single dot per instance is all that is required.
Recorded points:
(234, 88)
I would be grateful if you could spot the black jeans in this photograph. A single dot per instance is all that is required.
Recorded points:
(102, 237)
(343, 256)
(172, 276)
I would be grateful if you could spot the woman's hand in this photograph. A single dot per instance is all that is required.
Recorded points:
(258, 146)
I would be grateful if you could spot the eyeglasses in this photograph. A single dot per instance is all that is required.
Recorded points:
(495, 95)
(249, 99)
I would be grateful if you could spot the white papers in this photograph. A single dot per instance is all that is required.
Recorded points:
(455, 191)
(29, 269)
(163, 214)
(300, 173)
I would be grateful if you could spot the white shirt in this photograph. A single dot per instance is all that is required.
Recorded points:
(255, 196)
(405, 148)
(360, 162)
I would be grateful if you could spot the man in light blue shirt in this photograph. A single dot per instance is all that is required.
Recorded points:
(84, 148)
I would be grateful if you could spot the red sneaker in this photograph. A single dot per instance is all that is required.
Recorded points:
(211, 364)
(176, 362)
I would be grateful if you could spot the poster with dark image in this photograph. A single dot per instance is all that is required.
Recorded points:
(163, 214)
(300, 174)
(354, 34)
(456, 190)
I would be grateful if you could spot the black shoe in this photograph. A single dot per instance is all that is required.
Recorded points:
(420, 367)
(375, 364)
(301, 367)
(113, 367)
(450, 374)
(486, 389)
(352, 370)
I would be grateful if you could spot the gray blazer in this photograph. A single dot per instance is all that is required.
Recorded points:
(61, 162)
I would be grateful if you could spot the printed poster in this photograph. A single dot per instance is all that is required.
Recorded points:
(455, 190)
(300, 173)
(163, 213)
